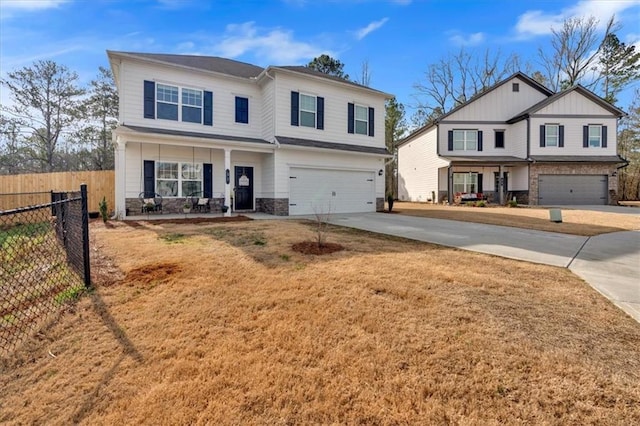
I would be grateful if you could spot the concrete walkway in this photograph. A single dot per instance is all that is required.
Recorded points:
(610, 262)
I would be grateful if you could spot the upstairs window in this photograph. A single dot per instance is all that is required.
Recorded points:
(361, 120)
(307, 110)
(595, 136)
(499, 138)
(465, 140)
(167, 107)
(552, 134)
(242, 110)
(515, 87)
(192, 106)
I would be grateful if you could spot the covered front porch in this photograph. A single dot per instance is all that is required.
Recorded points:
(494, 179)
(161, 172)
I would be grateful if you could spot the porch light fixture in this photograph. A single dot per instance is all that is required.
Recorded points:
(614, 174)
(380, 172)
(228, 176)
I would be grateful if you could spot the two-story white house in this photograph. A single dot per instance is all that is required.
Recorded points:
(284, 140)
(516, 139)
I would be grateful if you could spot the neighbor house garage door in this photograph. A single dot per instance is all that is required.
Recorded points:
(337, 191)
(572, 189)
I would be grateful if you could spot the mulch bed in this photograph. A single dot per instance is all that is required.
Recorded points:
(312, 247)
(199, 220)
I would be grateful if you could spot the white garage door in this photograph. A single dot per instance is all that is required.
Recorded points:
(572, 189)
(336, 191)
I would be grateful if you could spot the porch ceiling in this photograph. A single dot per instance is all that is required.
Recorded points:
(225, 139)
(486, 161)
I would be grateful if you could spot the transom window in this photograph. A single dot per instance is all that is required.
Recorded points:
(361, 120)
(192, 106)
(178, 179)
(307, 110)
(551, 135)
(595, 136)
(466, 140)
(171, 106)
(465, 182)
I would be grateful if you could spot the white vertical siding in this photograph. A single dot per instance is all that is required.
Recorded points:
(418, 165)
(573, 136)
(268, 175)
(500, 104)
(336, 99)
(574, 103)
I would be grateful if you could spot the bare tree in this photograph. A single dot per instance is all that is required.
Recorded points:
(455, 79)
(45, 101)
(574, 50)
(629, 148)
(365, 74)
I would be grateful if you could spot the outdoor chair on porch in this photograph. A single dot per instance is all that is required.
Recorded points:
(150, 202)
(200, 203)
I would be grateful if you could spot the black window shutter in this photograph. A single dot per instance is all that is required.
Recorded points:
(149, 99)
(371, 121)
(320, 113)
(149, 179)
(542, 136)
(207, 180)
(208, 108)
(450, 145)
(561, 136)
(585, 136)
(295, 108)
(350, 117)
(479, 182)
(479, 140)
(604, 136)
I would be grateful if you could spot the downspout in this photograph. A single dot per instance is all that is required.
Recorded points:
(528, 157)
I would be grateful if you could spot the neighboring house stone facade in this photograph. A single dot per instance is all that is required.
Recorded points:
(281, 140)
(516, 140)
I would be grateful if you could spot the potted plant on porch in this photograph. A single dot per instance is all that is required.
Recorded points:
(186, 207)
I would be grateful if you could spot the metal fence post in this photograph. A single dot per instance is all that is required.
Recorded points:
(85, 235)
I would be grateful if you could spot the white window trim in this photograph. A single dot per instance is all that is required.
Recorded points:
(248, 98)
(465, 140)
(557, 135)
(180, 178)
(180, 104)
(599, 127)
(355, 120)
(315, 110)
(467, 182)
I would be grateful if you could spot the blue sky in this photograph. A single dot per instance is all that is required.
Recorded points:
(398, 38)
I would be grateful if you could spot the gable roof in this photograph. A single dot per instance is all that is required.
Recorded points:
(551, 99)
(232, 67)
(205, 63)
(519, 74)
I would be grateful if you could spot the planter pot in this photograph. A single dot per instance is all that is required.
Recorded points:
(225, 209)
(185, 210)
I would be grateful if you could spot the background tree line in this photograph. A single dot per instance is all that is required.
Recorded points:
(54, 124)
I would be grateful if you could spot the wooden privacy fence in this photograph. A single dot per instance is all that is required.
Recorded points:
(32, 186)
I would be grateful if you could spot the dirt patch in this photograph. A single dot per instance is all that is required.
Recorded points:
(387, 331)
(157, 273)
(312, 247)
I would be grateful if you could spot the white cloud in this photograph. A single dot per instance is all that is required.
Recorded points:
(536, 22)
(31, 4)
(363, 32)
(469, 40)
(276, 46)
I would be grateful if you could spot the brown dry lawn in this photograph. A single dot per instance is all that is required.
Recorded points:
(576, 222)
(225, 324)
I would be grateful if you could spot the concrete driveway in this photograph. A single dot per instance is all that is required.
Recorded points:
(633, 211)
(610, 262)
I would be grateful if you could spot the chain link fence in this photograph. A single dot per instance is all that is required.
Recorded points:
(44, 260)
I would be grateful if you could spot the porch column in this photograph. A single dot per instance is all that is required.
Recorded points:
(450, 184)
(501, 184)
(227, 182)
(120, 178)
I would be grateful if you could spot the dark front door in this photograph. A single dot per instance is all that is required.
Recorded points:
(505, 184)
(244, 188)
